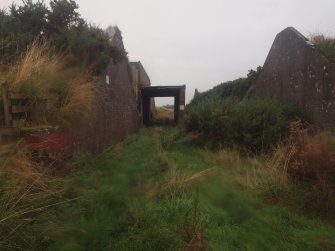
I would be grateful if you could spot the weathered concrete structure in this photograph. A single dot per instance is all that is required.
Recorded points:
(178, 92)
(115, 114)
(140, 76)
(297, 71)
(140, 80)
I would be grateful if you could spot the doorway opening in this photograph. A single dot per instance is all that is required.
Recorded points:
(177, 93)
(164, 111)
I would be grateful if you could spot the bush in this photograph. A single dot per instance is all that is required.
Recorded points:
(252, 125)
(325, 44)
(61, 24)
(238, 88)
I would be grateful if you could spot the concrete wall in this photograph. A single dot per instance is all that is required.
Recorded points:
(295, 70)
(140, 76)
(115, 113)
(140, 80)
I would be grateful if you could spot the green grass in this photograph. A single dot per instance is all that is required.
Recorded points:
(151, 193)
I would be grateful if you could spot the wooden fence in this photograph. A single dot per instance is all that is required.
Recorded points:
(15, 107)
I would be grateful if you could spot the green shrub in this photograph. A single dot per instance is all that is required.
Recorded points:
(60, 23)
(253, 124)
(238, 88)
(325, 44)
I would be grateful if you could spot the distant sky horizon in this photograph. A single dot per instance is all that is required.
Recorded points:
(203, 43)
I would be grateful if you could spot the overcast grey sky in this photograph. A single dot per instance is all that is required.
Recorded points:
(203, 43)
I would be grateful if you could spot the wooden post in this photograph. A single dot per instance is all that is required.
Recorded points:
(6, 104)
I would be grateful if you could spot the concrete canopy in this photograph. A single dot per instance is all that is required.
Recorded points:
(178, 92)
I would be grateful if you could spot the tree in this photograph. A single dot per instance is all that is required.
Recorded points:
(61, 24)
(29, 18)
(63, 15)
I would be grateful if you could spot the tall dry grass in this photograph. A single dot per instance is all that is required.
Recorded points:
(308, 158)
(253, 173)
(57, 94)
(37, 66)
(27, 192)
(77, 103)
(24, 193)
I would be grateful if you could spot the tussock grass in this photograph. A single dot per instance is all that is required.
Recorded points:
(25, 193)
(22, 170)
(307, 159)
(77, 103)
(56, 93)
(251, 173)
(37, 66)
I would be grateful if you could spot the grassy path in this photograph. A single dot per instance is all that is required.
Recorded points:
(156, 192)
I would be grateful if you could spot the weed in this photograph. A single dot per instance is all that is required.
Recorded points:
(192, 226)
(307, 158)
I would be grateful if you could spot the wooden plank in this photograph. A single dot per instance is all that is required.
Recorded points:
(18, 109)
(19, 122)
(6, 104)
(13, 95)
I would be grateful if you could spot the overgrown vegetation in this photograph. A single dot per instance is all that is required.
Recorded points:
(325, 44)
(85, 45)
(156, 192)
(25, 192)
(56, 94)
(299, 159)
(239, 88)
(51, 55)
(229, 116)
(307, 159)
(252, 125)
(163, 116)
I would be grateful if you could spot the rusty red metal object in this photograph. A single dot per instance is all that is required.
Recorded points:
(54, 142)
